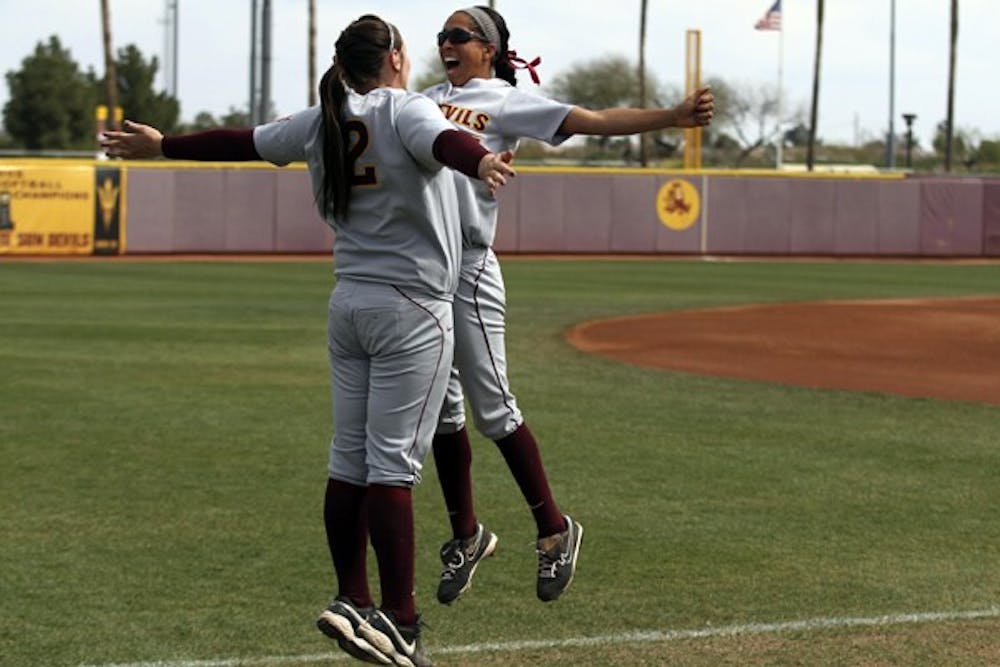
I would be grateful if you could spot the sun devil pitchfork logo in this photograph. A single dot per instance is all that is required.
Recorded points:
(108, 217)
(678, 204)
(5, 220)
(107, 199)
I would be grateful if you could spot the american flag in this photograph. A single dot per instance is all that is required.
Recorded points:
(772, 19)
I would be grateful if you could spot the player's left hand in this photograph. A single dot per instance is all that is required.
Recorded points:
(495, 169)
(697, 110)
(135, 142)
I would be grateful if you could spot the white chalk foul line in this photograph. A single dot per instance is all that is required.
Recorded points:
(725, 631)
(623, 638)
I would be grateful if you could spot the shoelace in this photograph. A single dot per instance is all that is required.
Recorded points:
(457, 560)
(548, 564)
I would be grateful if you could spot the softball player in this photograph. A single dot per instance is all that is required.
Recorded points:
(375, 154)
(480, 98)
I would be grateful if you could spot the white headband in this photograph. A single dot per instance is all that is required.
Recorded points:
(392, 35)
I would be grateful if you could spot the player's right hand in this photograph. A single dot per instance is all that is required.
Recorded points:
(135, 142)
(495, 169)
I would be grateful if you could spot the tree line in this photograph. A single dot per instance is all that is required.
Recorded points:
(52, 104)
(52, 101)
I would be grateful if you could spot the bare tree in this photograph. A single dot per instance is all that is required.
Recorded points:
(110, 74)
(643, 139)
(950, 122)
(811, 150)
(601, 83)
(748, 113)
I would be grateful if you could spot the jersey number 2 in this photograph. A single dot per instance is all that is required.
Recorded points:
(357, 144)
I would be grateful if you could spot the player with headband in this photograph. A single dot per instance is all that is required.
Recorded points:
(480, 97)
(375, 153)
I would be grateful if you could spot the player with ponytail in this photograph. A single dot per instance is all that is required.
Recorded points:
(481, 97)
(363, 48)
(375, 154)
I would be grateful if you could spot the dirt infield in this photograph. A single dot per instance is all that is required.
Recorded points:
(936, 348)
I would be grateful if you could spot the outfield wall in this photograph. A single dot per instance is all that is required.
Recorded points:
(172, 207)
(753, 214)
(223, 209)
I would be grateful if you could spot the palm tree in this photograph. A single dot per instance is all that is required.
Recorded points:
(950, 123)
(643, 155)
(811, 152)
(312, 53)
(110, 75)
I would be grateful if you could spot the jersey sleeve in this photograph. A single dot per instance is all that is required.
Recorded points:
(526, 114)
(419, 122)
(284, 140)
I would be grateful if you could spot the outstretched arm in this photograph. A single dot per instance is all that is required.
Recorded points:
(138, 142)
(695, 111)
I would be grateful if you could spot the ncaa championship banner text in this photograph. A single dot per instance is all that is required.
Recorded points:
(60, 209)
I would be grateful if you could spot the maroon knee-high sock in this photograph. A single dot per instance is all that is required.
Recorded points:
(347, 538)
(453, 460)
(520, 451)
(390, 520)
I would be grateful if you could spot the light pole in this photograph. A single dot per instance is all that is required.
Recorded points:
(909, 118)
(174, 29)
(890, 144)
(264, 104)
(254, 90)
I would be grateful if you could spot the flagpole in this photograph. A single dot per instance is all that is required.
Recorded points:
(773, 20)
(890, 142)
(781, 72)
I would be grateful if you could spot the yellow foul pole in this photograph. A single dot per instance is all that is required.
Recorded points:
(692, 81)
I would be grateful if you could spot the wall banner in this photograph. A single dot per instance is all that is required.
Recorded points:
(53, 208)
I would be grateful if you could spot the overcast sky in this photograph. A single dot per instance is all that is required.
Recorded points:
(213, 65)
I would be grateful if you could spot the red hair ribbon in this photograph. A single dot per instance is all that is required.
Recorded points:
(521, 63)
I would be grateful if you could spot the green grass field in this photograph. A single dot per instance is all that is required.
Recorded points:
(163, 438)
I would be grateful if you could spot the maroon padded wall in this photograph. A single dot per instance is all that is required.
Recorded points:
(177, 210)
(991, 218)
(222, 210)
(951, 217)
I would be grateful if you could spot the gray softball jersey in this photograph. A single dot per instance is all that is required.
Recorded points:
(498, 114)
(403, 227)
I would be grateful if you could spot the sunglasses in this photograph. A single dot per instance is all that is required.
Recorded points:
(458, 36)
